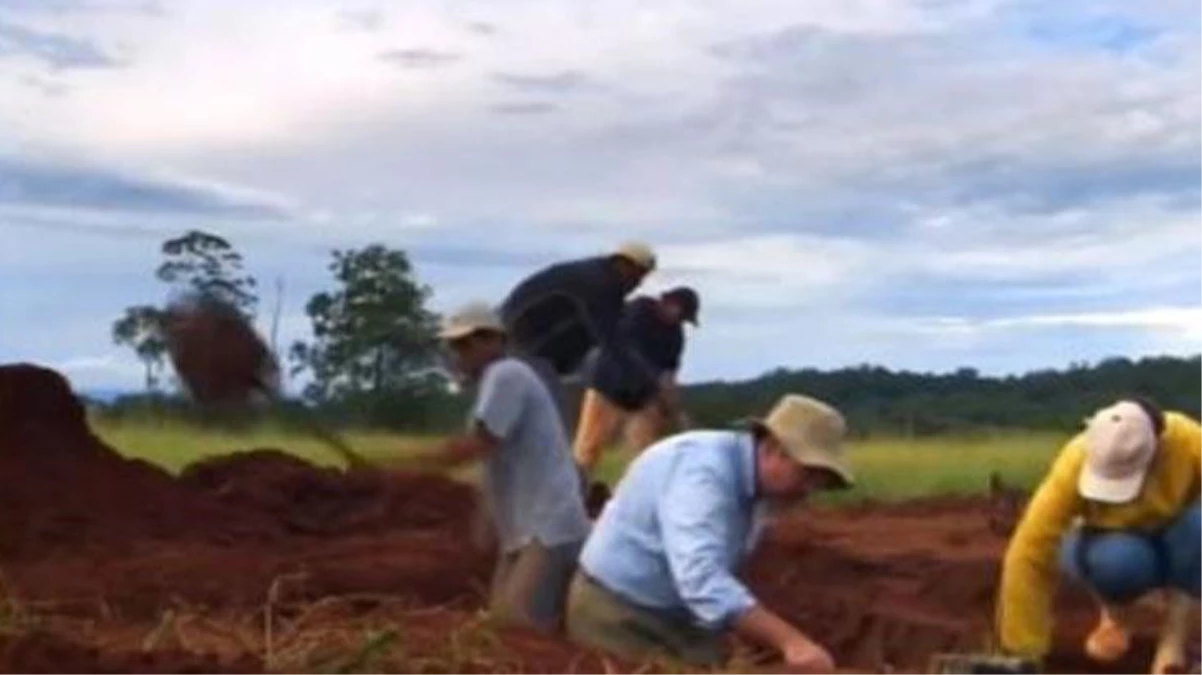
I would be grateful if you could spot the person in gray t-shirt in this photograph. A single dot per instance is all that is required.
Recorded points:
(530, 480)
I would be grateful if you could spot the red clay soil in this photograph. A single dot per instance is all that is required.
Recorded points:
(88, 536)
(44, 652)
(216, 352)
(311, 500)
(63, 490)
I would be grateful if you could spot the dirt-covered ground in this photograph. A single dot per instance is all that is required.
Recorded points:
(259, 561)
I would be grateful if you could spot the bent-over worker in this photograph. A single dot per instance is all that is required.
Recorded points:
(556, 316)
(530, 481)
(1120, 507)
(644, 398)
(658, 574)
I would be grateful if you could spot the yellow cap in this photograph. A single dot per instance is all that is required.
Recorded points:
(470, 318)
(638, 253)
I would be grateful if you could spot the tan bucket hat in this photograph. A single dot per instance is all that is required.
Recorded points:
(638, 253)
(813, 433)
(470, 318)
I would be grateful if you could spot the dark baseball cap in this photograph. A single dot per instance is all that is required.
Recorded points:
(689, 301)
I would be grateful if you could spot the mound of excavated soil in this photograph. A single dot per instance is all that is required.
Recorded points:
(63, 490)
(313, 500)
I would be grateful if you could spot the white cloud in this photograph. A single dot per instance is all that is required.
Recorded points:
(767, 271)
(1184, 320)
(864, 165)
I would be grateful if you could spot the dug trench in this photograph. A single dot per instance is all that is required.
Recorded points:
(258, 561)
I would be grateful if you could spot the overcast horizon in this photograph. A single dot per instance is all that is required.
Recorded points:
(919, 184)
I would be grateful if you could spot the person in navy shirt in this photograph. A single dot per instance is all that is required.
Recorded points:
(561, 313)
(642, 396)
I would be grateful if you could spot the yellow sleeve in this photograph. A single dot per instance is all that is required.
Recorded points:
(1185, 432)
(1024, 612)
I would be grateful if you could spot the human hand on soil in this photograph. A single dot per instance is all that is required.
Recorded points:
(447, 455)
(433, 459)
(805, 656)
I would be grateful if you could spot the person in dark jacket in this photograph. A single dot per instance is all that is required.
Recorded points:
(558, 315)
(644, 398)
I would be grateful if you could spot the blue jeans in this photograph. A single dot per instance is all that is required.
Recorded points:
(1121, 565)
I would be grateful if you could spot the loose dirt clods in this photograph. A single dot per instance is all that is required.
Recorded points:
(260, 561)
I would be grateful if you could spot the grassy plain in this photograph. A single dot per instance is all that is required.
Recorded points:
(886, 468)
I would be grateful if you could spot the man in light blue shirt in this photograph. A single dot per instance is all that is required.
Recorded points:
(657, 576)
(530, 480)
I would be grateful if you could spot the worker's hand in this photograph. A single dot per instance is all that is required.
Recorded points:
(430, 460)
(803, 655)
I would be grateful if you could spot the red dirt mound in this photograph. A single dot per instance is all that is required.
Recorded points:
(311, 500)
(40, 652)
(62, 489)
(35, 401)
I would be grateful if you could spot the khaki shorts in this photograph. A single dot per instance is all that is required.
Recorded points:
(530, 584)
(600, 619)
(600, 420)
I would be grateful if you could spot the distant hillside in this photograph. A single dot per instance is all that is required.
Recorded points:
(875, 400)
(103, 395)
(878, 400)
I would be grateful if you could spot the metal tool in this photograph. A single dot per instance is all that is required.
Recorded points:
(981, 663)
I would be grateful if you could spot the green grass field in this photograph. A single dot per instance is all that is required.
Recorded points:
(885, 468)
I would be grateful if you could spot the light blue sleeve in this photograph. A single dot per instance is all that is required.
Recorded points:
(695, 517)
(503, 395)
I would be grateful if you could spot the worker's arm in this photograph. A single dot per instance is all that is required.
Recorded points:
(462, 449)
(498, 407)
(765, 628)
(1024, 612)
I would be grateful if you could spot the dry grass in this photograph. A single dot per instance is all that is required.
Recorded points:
(354, 633)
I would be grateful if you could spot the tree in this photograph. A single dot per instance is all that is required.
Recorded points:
(206, 263)
(193, 262)
(140, 328)
(374, 343)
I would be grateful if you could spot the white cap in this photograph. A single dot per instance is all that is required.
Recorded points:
(1120, 443)
(470, 318)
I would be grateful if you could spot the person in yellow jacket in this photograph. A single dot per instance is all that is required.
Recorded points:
(1119, 512)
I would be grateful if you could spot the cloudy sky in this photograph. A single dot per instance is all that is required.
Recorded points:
(923, 184)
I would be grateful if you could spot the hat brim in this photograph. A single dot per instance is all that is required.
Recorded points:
(456, 333)
(1096, 487)
(641, 264)
(460, 332)
(806, 456)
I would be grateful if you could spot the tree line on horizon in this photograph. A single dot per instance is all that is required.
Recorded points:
(374, 361)
(877, 400)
